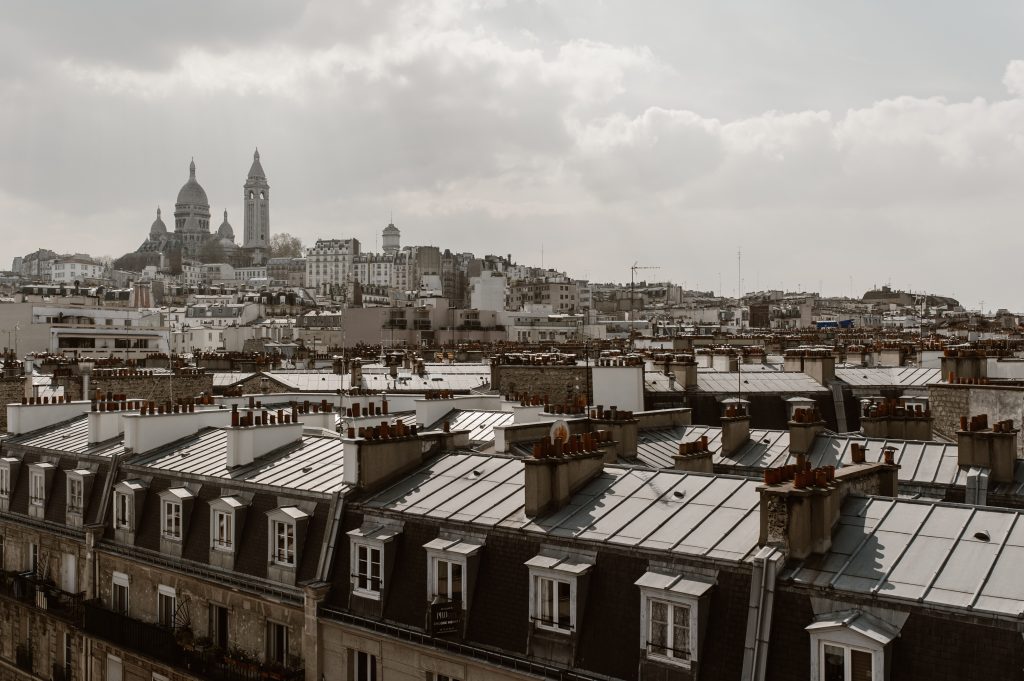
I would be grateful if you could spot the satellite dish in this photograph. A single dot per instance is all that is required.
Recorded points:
(559, 431)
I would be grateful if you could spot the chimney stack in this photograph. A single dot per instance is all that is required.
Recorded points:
(694, 457)
(559, 468)
(803, 428)
(993, 448)
(800, 505)
(735, 427)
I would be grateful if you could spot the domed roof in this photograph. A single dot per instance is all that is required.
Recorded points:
(225, 231)
(227, 245)
(391, 229)
(158, 228)
(192, 193)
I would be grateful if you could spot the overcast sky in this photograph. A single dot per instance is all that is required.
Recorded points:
(839, 145)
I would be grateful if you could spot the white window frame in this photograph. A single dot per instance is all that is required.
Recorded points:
(222, 532)
(452, 552)
(373, 534)
(847, 658)
(227, 508)
(166, 592)
(850, 630)
(272, 644)
(673, 590)
(370, 548)
(36, 486)
(285, 517)
(76, 479)
(281, 551)
(120, 579)
(434, 570)
(555, 569)
(169, 509)
(5, 479)
(691, 617)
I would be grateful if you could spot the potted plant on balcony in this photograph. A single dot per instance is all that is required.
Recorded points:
(241, 661)
(184, 638)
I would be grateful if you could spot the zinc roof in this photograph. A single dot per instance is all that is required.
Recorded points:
(906, 377)
(944, 555)
(480, 423)
(69, 437)
(714, 516)
(312, 464)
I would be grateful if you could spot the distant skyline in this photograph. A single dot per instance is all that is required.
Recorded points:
(878, 141)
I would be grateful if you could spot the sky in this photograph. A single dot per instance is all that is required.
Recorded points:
(784, 144)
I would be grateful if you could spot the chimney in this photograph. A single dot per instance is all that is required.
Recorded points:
(735, 428)
(803, 428)
(964, 363)
(434, 406)
(694, 457)
(993, 448)
(800, 505)
(624, 428)
(724, 359)
(888, 420)
(105, 422)
(685, 369)
(149, 429)
(376, 456)
(793, 361)
(820, 364)
(33, 414)
(558, 469)
(251, 436)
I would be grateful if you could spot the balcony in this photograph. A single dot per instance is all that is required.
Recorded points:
(28, 588)
(179, 650)
(445, 618)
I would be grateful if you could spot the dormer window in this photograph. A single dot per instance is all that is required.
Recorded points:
(172, 519)
(175, 509)
(555, 590)
(76, 495)
(368, 558)
(286, 529)
(226, 517)
(670, 607)
(40, 476)
(8, 473)
(850, 645)
(122, 511)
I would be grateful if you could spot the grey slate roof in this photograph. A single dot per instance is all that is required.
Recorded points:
(313, 464)
(69, 437)
(714, 516)
(943, 555)
(480, 423)
(904, 377)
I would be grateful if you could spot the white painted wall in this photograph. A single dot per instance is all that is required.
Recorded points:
(622, 387)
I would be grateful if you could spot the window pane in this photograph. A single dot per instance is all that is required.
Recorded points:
(442, 578)
(834, 664)
(659, 628)
(681, 632)
(546, 600)
(457, 582)
(860, 665)
(564, 618)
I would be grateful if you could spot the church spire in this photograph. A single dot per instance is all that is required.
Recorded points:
(192, 169)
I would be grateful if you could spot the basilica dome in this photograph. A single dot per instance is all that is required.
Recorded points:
(225, 231)
(192, 193)
(158, 228)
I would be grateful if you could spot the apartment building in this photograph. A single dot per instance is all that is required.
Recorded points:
(205, 542)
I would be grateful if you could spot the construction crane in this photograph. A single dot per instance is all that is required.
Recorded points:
(632, 297)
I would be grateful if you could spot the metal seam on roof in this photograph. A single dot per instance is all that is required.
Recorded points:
(992, 566)
(866, 538)
(906, 547)
(945, 559)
